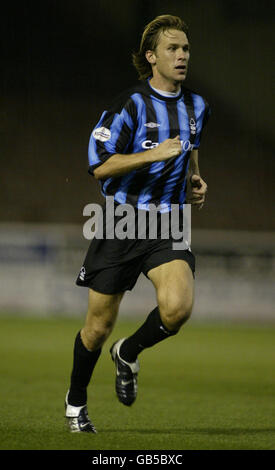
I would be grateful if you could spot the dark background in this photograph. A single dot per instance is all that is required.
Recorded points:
(62, 63)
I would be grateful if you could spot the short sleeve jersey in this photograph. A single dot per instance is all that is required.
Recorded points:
(140, 119)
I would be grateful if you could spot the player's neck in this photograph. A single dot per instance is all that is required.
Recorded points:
(161, 83)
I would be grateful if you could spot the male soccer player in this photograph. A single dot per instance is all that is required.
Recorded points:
(144, 150)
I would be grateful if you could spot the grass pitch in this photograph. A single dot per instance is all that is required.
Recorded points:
(209, 387)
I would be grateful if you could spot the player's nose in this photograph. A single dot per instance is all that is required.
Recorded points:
(182, 54)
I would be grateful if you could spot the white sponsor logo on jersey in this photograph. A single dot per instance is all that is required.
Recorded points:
(148, 144)
(102, 133)
(186, 145)
(152, 124)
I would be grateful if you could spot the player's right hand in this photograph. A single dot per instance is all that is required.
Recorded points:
(167, 149)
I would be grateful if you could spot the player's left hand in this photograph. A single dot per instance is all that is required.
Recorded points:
(196, 191)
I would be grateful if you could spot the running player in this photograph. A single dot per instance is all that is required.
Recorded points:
(144, 150)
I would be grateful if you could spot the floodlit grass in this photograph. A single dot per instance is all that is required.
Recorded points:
(209, 387)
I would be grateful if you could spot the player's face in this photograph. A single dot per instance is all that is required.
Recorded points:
(170, 59)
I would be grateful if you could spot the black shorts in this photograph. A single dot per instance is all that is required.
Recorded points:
(112, 266)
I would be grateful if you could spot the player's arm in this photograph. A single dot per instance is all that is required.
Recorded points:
(120, 164)
(196, 186)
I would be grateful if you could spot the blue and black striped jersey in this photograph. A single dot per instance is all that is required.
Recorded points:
(140, 119)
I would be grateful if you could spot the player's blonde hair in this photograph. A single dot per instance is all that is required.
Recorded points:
(150, 39)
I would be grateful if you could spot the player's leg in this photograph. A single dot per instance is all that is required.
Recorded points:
(175, 287)
(100, 320)
(174, 284)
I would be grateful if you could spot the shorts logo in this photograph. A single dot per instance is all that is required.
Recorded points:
(102, 133)
(82, 273)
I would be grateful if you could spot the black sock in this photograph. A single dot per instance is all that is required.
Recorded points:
(151, 332)
(83, 366)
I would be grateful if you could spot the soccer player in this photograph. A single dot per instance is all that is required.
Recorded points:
(144, 150)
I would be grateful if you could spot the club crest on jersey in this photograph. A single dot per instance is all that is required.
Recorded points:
(152, 124)
(193, 127)
(102, 133)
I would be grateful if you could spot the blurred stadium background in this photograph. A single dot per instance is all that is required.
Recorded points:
(62, 63)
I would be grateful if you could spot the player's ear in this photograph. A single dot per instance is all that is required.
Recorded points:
(151, 57)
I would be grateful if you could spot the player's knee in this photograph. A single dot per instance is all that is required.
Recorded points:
(175, 311)
(95, 336)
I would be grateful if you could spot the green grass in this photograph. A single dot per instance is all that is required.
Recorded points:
(209, 387)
